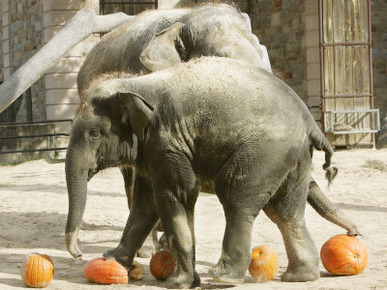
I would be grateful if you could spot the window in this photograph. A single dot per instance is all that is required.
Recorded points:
(129, 7)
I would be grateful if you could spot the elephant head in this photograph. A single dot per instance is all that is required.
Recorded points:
(102, 136)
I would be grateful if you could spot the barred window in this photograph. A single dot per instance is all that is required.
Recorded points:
(130, 7)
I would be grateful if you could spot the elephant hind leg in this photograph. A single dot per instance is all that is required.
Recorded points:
(302, 254)
(243, 190)
(232, 265)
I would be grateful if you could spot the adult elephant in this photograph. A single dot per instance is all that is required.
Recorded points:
(222, 121)
(160, 39)
(155, 40)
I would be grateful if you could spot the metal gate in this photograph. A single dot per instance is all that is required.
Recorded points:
(348, 114)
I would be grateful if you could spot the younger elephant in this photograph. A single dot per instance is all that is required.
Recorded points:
(213, 122)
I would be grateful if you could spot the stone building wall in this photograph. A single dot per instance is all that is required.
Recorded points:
(1, 42)
(289, 29)
(280, 25)
(23, 38)
(62, 100)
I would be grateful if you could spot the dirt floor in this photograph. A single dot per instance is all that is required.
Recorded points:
(33, 212)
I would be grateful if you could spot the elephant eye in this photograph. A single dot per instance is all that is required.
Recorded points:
(94, 135)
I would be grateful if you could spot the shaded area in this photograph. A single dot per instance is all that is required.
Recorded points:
(348, 206)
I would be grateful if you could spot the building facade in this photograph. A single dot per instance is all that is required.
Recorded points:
(289, 29)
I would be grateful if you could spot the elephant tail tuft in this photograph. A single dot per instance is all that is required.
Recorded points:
(330, 173)
(319, 142)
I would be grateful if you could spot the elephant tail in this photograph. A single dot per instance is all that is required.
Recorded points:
(319, 142)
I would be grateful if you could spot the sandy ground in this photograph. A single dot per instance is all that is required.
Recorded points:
(33, 211)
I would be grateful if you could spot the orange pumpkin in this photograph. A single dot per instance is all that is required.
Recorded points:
(104, 271)
(344, 255)
(37, 270)
(162, 265)
(264, 264)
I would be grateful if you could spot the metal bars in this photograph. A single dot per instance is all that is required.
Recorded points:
(17, 131)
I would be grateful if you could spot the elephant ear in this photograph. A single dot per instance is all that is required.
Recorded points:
(137, 111)
(164, 50)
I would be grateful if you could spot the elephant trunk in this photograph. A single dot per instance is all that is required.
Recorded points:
(76, 178)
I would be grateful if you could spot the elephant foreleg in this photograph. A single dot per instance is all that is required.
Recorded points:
(151, 245)
(325, 208)
(235, 258)
(128, 173)
(176, 191)
(142, 218)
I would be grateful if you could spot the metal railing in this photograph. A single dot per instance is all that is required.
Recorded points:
(50, 146)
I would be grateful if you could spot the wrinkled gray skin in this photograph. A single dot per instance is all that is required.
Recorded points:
(163, 38)
(158, 39)
(213, 124)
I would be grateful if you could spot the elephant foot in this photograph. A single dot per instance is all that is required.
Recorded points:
(301, 274)
(120, 254)
(183, 281)
(222, 275)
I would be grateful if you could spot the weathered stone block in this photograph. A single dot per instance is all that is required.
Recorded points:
(311, 6)
(311, 22)
(62, 96)
(62, 5)
(5, 19)
(61, 112)
(313, 71)
(61, 81)
(57, 18)
(313, 87)
(313, 54)
(312, 38)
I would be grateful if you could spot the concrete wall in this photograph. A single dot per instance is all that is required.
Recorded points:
(312, 58)
(60, 82)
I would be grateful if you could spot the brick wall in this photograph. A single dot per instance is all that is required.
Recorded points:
(1, 41)
(25, 38)
(280, 25)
